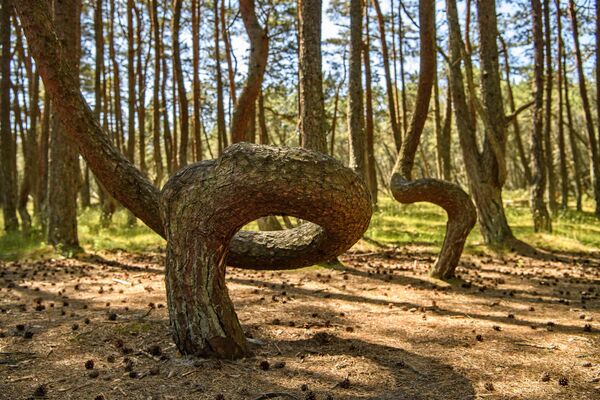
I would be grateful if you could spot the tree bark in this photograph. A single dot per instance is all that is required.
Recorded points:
(221, 133)
(548, 151)
(200, 203)
(369, 121)
(388, 77)
(63, 179)
(196, 87)
(141, 70)
(184, 127)
(541, 218)
(312, 105)
(564, 175)
(259, 52)
(156, 112)
(515, 122)
(228, 53)
(457, 204)
(585, 103)
(8, 151)
(355, 92)
(130, 83)
(577, 172)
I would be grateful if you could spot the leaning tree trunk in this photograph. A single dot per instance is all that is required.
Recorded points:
(259, 52)
(454, 200)
(118, 175)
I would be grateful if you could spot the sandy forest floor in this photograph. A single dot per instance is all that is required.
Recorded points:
(513, 327)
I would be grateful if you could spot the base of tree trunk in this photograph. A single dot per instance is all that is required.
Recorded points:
(457, 204)
(203, 206)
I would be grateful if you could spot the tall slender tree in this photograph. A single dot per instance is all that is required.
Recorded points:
(312, 106)
(355, 91)
(541, 218)
(8, 162)
(585, 103)
(184, 121)
(63, 180)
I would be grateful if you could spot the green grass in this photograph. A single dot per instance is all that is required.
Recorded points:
(392, 224)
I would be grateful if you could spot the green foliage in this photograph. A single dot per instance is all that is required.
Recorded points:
(393, 224)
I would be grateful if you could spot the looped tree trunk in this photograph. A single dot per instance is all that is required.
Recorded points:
(459, 207)
(205, 204)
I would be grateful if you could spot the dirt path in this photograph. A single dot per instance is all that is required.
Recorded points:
(375, 328)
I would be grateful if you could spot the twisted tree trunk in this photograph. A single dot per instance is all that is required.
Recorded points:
(454, 200)
(201, 205)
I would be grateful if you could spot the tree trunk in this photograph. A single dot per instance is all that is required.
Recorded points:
(564, 175)
(8, 159)
(515, 123)
(388, 78)
(549, 157)
(259, 52)
(454, 200)
(221, 133)
(131, 83)
(119, 124)
(63, 180)
(572, 142)
(181, 92)
(355, 92)
(369, 122)
(595, 156)
(228, 53)
(141, 70)
(203, 213)
(156, 150)
(312, 106)
(541, 218)
(197, 123)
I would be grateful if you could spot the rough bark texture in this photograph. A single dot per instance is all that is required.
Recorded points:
(312, 106)
(595, 156)
(202, 207)
(63, 178)
(259, 52)
(8, 151)
(457, 203)
(355, 91)
(541, 218)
